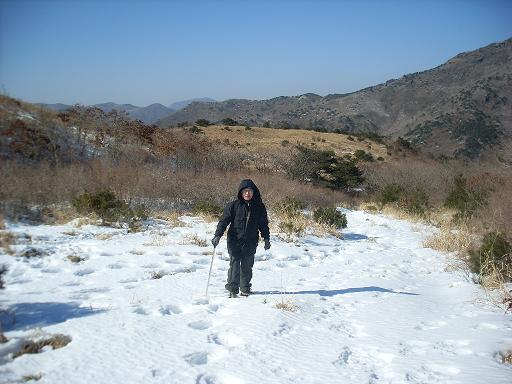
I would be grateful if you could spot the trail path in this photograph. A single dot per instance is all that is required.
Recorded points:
(375, 307)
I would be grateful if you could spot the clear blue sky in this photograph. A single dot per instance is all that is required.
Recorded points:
(141, 52)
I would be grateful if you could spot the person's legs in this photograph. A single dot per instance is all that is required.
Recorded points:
(247, 263)
(233, 282)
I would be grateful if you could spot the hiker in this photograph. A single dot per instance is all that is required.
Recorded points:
(247, 215)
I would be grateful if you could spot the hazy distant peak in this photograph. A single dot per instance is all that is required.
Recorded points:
(182, 104)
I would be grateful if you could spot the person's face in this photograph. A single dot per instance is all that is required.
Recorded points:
(247, 194)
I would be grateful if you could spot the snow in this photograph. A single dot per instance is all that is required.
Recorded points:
(373, 307)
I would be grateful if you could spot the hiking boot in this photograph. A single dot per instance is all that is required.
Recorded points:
(246, 292)
(232, 295)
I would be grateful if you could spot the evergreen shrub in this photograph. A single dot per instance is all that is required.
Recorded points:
(108, 207)
(331, 217)
(391, 193)
(289, 207)
(415, 201)
(464, 199)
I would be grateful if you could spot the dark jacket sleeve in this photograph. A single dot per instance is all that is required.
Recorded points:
(225, 220)
(263, 223)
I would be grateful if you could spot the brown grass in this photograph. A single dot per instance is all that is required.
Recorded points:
(6, 240)
(261, 141)
(75, 259)
(33, 377)
(287, 305)
(56, 342)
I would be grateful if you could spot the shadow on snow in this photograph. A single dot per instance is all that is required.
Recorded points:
(323, 292)
(29, 315)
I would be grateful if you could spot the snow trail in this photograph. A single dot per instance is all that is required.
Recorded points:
(375, 307)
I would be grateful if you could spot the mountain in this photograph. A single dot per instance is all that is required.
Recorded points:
(149, 115)
(182, 104)
(460, 108)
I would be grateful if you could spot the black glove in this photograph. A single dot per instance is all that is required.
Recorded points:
(215, 241)
(267, 244)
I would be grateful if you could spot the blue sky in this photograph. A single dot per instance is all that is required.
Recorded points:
(142, 52)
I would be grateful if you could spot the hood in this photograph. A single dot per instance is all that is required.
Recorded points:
(248, 183)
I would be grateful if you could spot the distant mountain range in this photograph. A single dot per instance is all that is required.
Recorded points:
(460, 108)
(149, 115)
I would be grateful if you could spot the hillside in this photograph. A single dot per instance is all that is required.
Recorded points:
(460, 108)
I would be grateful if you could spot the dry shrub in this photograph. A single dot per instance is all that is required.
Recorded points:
(56, 342)
(104, 236)
(196, 240)
(75, 259)
(171, 217)
(6, 240)
(32, 377)
(155, 275)
(428, 175)
(286, 305)
(506, 357)
(2, 222)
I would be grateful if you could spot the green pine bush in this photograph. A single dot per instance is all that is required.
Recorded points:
(289, 207)
(464, 199)
(331, 217)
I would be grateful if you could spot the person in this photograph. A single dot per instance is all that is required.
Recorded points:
(246, 216)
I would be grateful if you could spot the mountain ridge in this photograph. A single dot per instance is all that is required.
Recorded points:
(459, 108)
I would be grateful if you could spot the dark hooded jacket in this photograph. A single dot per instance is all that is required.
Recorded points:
(246, 219)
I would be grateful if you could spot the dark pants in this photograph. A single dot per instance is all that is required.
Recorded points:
(240, 269)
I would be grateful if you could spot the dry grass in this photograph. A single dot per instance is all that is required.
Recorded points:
(33, 377)
(56, 342)
(450, 238)
(259, 141)
(155, 275)
(104, 236)
(2, 222)
(171, 217)
(287, 305)
(196, 240)
(75, 259)
(506, 357)
(6, 240)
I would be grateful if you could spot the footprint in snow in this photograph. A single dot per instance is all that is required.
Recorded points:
(196, 358)
(225, 339)
(173, 261)
(344, 357)
(200, 325)
(140, 311)
(205, 379)
(424, 326)
(201, 261)
(169, 310)
(115, 266)
(84, 272)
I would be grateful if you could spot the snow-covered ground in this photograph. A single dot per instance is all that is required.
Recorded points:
(375, 307)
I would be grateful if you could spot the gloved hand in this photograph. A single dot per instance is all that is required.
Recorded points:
(215, 241)
(267, 244)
